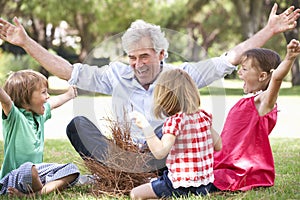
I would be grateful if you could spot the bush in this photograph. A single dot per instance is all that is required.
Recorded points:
(10, 62)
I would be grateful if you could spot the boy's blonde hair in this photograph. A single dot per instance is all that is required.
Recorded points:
(21, 84)
(175, 92)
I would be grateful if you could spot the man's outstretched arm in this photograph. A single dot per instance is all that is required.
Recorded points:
(276, 24)
(16, 34)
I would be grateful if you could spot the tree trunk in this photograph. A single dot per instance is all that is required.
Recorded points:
(293, 34)
(250, 13)
(82, 25)
(39, 35)
(2, 5)
(193, 47)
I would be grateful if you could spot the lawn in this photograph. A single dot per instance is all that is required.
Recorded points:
(286, 156)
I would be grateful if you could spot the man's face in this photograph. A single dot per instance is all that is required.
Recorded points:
(145, 63)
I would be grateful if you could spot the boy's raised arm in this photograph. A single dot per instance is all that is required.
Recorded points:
(5, 101)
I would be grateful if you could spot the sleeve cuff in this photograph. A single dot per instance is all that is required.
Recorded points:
(75, 72)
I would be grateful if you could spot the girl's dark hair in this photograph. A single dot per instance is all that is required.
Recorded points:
(265, 59)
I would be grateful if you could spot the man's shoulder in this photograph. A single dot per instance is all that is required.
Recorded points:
(119, 64)
(168, 66)
(114, 64)
(121, 69)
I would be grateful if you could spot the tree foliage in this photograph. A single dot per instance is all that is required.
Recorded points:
(212, 27)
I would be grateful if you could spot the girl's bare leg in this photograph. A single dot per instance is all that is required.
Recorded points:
(144, 191)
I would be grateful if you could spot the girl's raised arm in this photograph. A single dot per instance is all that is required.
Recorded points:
(269, 97)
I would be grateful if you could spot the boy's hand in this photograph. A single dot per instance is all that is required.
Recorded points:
(72, 91)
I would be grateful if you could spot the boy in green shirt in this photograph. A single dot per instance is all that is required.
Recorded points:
(25, 108)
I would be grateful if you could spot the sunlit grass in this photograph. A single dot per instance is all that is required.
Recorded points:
(286, 155)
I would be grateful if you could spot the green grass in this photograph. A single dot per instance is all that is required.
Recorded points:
(286, 156)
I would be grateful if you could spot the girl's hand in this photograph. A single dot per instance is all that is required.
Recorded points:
(139, 119)
(293, 49)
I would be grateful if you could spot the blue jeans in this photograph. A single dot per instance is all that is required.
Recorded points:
(163, 188)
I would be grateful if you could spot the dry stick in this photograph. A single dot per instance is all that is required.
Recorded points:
(112, 177)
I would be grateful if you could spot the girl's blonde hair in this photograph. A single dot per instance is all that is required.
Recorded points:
(21, 84)
(175, 92)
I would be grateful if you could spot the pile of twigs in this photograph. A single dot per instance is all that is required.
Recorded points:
(122, 168)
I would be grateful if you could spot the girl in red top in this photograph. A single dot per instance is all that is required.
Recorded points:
(188, 139)
(246, 159)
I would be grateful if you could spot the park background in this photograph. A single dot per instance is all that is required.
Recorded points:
(89, 31)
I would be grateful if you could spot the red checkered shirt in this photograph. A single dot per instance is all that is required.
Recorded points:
(190, 161)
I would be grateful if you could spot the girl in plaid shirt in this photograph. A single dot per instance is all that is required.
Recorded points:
(188, 139)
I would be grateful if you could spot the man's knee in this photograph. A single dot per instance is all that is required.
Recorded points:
(72, 127)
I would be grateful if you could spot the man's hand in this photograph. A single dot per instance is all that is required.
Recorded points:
(14, 34)
(284, 21)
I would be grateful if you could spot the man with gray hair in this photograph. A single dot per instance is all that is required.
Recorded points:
(131, 86)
